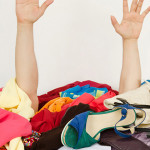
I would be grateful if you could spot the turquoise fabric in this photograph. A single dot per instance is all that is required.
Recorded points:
(76, 135)
(77, 91)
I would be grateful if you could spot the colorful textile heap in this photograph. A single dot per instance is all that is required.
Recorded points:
(46, 120)
(77, 91)
(14, 99)
(43, 99)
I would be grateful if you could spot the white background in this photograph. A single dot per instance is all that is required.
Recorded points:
(74, 40)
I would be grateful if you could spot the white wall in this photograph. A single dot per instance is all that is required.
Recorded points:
(74, 40)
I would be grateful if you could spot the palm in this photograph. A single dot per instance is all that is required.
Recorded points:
(29, 10)
(131, 25)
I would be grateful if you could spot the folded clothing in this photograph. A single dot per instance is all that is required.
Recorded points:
(12, 125)
(110, 138)
(43, 99)
(142, 137)
(79, 90)
(56, 104)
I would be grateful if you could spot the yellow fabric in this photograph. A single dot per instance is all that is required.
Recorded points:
(56, 104)
(99, 94)
(15, 100)
(15, 144)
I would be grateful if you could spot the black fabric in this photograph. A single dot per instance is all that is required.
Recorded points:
(124, 101)
(142, 129)
(110, 138)
(51, 140)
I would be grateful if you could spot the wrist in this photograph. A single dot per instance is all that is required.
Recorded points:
(24, 26)
(130, 45)
(130, 40)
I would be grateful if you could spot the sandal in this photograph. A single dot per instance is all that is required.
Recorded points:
(84, 130)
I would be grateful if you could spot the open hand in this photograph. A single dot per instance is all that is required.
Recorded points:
(28, 11)
(131, 25)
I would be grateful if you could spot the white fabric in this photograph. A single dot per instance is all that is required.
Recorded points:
(93, 147)
(140, 96)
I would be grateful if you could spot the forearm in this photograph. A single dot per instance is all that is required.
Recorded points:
(25, 61)
(131, 69)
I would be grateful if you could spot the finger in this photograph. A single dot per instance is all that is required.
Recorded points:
(45, 5)
(144, 14)
(114, 23)
(125, 7)
(133, 5)
(139, 7)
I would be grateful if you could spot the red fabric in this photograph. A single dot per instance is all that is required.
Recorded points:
(43, 99)
(98, 104)
(46, 120)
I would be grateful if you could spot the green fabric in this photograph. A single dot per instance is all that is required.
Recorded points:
(71, 138)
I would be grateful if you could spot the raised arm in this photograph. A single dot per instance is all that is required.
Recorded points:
(130, 29)
(28, 12)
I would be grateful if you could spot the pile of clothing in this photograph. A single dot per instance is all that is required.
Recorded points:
(80, 115)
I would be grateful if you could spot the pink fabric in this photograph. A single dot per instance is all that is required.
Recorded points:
(46, 120)
(1, 89)
(12, 125)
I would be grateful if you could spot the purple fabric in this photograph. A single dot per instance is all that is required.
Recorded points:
(142, 137)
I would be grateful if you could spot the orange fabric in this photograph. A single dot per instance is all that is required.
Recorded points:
(56, 104)
(3, 148)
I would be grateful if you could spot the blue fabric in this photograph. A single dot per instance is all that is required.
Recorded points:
(124, 110)
(79, 123)
(76, 135)
(145, 82)
(124, 115)
(77, 91)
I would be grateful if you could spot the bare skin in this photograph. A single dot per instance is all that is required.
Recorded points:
(130, 29)
(28, 12)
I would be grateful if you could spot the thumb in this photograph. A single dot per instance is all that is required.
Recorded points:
(114, 23)
(45, 5)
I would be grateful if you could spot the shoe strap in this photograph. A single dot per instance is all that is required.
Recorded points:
(124, 115)
(124, 111)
